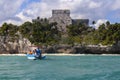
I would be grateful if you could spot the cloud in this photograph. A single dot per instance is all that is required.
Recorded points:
(100, 22)
(8, 9)
(23, 17)
(25, 10)
(116, 5)
(79, 8)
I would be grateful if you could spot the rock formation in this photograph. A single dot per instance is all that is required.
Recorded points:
(20, 45)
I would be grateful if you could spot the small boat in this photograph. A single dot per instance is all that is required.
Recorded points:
(33, 56)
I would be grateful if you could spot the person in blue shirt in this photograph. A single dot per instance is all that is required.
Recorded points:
(38, 53)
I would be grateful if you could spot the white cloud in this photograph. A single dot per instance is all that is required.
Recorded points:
(23, 17)
(13, 22)
(8, 9)
(116, 5)
(100, 22)
(93, 5)
(91, 9)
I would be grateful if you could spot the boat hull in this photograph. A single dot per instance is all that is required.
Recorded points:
(33, 57)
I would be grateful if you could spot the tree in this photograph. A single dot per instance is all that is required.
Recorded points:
(9, 32)
(26, 29)
(4, 29)
(40, 32)
(107, 23)
(93, 22)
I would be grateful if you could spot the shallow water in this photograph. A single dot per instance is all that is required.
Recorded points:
(60, 68)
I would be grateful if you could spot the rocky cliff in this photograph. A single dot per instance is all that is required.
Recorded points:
(17, 46)
(22, 45)
(95, 49)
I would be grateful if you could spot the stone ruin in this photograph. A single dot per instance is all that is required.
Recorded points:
(63, 19)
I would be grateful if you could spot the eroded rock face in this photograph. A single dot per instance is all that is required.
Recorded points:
(2, 49)
(115, 49)
(18, 46)
(2, 45)
(22, 45)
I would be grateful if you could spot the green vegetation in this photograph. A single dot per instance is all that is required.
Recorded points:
(9, 30)
(40, 32)
(46, 33)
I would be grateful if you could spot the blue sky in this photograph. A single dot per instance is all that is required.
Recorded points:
(19, 11)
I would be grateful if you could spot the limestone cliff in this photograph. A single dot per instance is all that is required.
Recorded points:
(17, 46)
(22, 45)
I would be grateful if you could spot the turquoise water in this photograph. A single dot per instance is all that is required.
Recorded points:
(60, 68)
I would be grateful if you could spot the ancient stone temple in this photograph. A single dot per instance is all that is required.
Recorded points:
(62, 17)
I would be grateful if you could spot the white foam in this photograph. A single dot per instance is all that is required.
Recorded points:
(12, 54)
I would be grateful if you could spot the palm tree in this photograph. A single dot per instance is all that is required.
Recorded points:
(93, 22)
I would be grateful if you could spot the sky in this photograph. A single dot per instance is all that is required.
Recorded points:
(19, 11)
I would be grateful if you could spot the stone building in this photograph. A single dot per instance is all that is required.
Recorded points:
(80, 21)
(63, 19)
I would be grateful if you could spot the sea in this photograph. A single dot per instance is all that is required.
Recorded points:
(57, 67)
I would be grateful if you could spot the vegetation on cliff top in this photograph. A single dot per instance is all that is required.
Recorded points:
(106, 34)
(47, 33)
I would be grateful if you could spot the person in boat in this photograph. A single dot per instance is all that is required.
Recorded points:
(38, 53)
(34, 52)
(30, 52)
